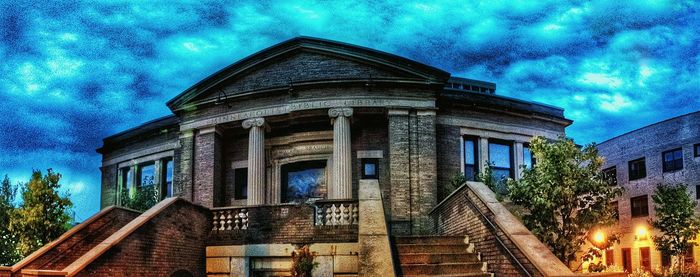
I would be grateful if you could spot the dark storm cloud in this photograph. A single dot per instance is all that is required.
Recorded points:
(74, 72)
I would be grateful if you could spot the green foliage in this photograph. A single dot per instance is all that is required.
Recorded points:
(456, 181)
(565, 195)
(499, 187)
(303, 262)
(140, 198)
(43, 215)
(8, 241)
(675, 219)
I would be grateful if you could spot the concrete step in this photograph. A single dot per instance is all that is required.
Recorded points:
(433, 248)
(436, 258)
(431, 240)
(443, 268)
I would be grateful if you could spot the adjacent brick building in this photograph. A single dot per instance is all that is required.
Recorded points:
(664, 152)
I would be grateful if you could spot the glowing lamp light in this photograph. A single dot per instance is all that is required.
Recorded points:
(599, 237)
(642, 233)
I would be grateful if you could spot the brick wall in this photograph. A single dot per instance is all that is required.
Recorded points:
(207, 170)
(175, 239)
(64, 253)
(459, 215)
(283, 224)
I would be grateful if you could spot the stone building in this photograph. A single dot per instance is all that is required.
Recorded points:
(664, 152)
(318, 142)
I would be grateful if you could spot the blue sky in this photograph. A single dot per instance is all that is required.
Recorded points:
(72, 73)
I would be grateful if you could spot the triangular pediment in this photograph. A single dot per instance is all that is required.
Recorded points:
(306, 60)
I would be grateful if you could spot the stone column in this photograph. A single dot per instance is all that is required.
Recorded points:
(256, 160)
(342, 159)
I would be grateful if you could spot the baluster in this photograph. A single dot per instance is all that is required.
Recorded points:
(215, 222)
(222, 221)
(329, 216)
(319, 215)
(336, 215)
(355, 214)
(237, 221)
(345, 214)
(244, 217)
(228, 220)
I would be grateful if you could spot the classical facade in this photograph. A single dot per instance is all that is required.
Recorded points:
(318, 142)
(664, 152)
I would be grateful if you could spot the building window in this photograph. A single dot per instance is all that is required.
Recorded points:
(303, 180)
(640, 206)
(167, 173)
(688, 257)
(673, 160)
(616, 210)
(369, 168)
(665, 261)
(610, 175)
(501, 160)
(637, 169)
(697, 191)
(147, 174)
(609, 257)
(126, 178)
(645, 258)
(528, 159)
(697, 150)
(240, 183)
(470, 158)
(627, 259)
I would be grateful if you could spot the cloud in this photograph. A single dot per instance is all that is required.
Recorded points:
(75, 72)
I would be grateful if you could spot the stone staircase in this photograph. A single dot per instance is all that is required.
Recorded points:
(74, 243)
(438, 256)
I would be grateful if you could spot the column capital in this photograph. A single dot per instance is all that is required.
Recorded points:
(253, 122)
(336, 112)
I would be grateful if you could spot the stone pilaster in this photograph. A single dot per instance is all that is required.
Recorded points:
(256, 160)
(183, 170)
(399, 172)
(483, 153)
(518, 158)
(425, 158)
(342, 156)
(207, 167)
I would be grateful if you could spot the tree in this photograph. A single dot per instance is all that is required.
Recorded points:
(675, 218)
(8, 242)
(43, 215)
(140, 198)
(565, 195)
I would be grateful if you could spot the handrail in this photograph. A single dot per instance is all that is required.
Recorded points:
(503, 246)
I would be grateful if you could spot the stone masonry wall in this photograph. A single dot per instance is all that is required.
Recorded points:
(175, 239)
(448, 149)
(184, 160)
(109, 186)
(459, 215)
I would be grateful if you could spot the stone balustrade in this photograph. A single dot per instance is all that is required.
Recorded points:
(335, 213)
(230, 219)
(324, 221)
